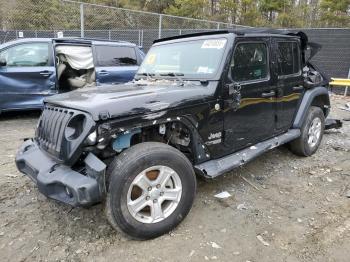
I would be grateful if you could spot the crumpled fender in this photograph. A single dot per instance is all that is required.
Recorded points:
(200, 151)
(306, 102)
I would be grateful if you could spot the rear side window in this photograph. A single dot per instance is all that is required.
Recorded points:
(116, 56)
(288, 58)
(31, 54)
(249, 62)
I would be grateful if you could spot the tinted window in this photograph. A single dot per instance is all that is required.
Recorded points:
(116, 56)
(288, 58)
(249, 62)
(31, 54)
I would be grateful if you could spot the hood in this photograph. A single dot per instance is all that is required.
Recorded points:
(148, 97)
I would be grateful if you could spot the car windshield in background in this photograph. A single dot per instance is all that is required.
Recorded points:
(192, 59)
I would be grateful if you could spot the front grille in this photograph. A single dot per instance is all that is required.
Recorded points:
(61, 132)
(51, 128)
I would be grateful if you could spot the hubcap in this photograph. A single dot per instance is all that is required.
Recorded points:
(314, 132)
(154, 194)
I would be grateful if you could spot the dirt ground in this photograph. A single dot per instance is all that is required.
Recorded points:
(282, 208)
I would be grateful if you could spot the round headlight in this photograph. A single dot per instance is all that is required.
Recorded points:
(75, 127)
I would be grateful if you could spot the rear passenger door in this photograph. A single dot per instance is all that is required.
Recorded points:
(289, 81)
(115, 64)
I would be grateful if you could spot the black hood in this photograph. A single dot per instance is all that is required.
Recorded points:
(134, 98)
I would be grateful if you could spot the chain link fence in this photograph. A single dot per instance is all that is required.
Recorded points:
(334, 57)
(93, 20)
(76, 19)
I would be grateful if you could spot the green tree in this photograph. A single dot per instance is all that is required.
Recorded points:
(335, 12)
(158, 6)
(43, 14)
(188, 8)
(249, 13)
(59, 15)
(229, 9)
(270, 8)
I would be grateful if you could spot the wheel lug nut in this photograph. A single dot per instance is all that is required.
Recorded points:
(158, 186)
(161, 193)
(147, 197)
(149, 188)
(155, 201)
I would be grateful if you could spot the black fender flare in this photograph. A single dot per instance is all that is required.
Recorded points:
(307, 100)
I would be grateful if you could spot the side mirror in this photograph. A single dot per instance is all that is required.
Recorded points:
(2, 62)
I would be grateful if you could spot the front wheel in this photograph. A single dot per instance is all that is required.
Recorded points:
(311, 133)
(151, 190)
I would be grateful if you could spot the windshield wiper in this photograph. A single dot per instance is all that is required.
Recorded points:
(149, 75)
(173, 74)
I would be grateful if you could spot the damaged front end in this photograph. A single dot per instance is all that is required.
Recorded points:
(59, 181)
(56, 161)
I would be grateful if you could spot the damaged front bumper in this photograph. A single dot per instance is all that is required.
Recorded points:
(60, 182)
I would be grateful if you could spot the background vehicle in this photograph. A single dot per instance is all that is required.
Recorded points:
(32, 69)
(203, 103)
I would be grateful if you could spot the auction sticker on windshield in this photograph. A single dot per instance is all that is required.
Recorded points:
(214, 43)
(151, 59)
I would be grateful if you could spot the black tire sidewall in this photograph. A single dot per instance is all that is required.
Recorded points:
(313, 113)
(121, 180)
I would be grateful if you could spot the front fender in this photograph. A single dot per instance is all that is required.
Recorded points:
(317, 93)
(112, 128)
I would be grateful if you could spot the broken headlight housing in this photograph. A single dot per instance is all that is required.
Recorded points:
(75, 127)
(91, 139)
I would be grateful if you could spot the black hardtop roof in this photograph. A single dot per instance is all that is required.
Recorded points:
(244, 32)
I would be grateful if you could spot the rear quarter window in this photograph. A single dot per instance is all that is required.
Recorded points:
(288, 58)
(115, 56)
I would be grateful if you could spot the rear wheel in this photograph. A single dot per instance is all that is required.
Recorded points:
(151, 190)
(311, 133)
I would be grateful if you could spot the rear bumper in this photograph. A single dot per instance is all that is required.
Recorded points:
(60, 182)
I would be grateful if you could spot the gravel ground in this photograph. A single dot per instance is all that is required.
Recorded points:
(282, 208)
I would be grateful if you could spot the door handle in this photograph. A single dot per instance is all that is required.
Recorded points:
(269, 94)
(45, 73)
(103, 73)
(298, 88)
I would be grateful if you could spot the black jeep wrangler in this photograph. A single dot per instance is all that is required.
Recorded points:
(200, 104)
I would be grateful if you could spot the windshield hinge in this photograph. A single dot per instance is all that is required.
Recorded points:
(104, 115)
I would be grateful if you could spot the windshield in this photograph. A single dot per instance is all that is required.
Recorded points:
(192, 59)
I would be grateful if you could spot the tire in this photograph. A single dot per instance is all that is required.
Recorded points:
(131, 166)
(302, 145)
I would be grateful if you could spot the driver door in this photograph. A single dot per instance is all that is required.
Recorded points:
(28, 75)
(254, 119)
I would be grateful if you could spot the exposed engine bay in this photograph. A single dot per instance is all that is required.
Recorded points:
(75, 67)
(173, 133)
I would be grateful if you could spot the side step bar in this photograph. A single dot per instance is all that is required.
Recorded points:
(217, 167)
